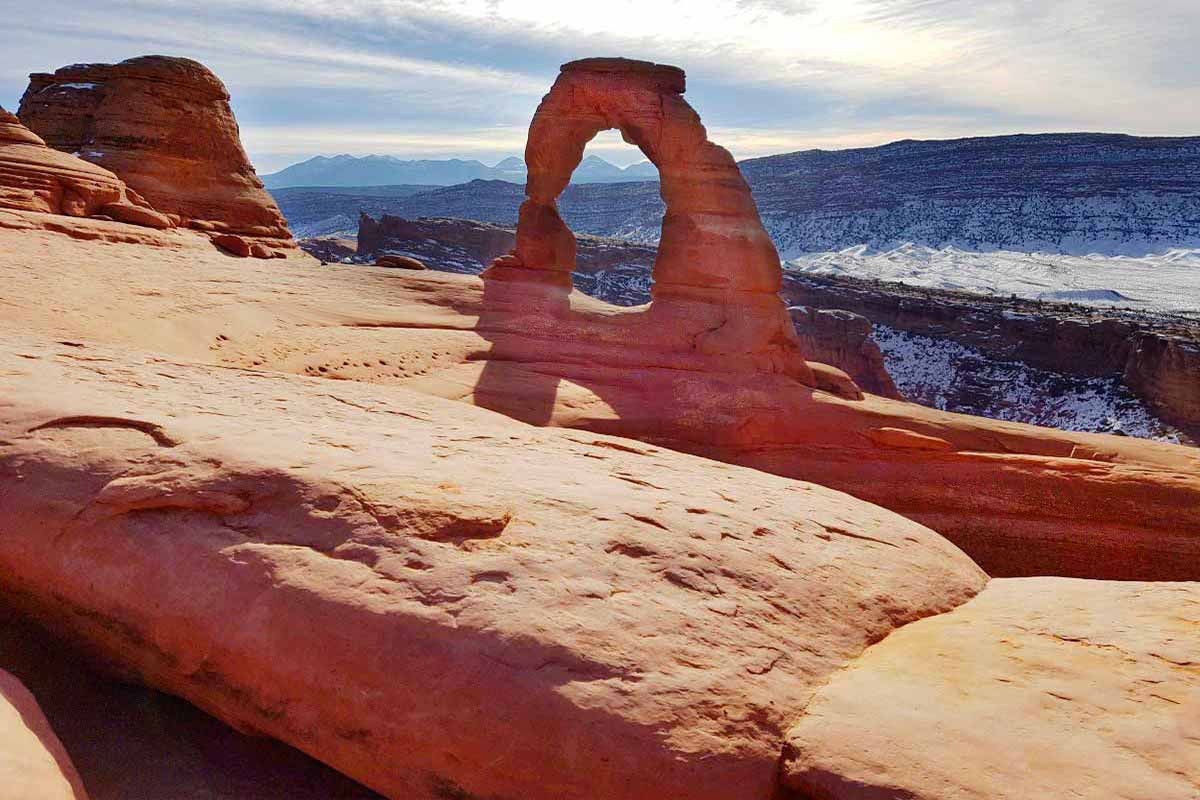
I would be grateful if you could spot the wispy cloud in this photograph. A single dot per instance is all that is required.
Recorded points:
(433, 76)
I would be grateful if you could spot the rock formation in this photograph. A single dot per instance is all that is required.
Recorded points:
(443, 602)
(129, 741)
(843, 339)
(1156, 356)
(164, 126)
(434, 599)
(463, 245)
(35, 178)
(33, 764)
(1062, 688)
(717, 272)
(399, 262)
(1020, 500)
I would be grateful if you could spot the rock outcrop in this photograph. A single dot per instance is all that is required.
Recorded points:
(128, 741)
(1038, 687)
(399, 262)
(463, 245)
(164, 125)
(443, 602)
(33, 763)
(717, 274)
(843, 339)
(434, 599)
(35, 178)
(1156, 355)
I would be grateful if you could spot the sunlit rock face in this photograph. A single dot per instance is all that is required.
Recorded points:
(165, 126)
(716, 267)
(33, 177)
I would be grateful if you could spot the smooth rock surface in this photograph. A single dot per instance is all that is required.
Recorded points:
(164, 125)
(1021, 500)
(33, 763)
(1037, 688)
(435, 599)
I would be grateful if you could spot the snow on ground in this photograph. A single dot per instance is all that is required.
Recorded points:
(1164, 282)
(947, 375)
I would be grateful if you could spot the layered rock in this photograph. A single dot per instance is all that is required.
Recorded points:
(33, 763)
(1038, 687)
(843, 339)
(716, 275)
(435, 599)
(35, 178)
(164, 125)
(129, 741)
(1156, 355)
(463, 245)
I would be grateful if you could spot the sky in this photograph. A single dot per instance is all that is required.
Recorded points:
(462, 78)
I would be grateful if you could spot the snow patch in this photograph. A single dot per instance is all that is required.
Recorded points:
(952, 377)
(1165, 282)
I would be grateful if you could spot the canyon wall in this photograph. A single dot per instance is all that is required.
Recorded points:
(1156, 356)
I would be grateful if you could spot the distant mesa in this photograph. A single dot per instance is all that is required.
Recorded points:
(165, 127)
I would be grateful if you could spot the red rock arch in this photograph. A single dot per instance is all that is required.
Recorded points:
(712, 238)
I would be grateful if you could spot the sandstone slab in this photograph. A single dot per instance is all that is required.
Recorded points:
(1020, 500)
(130, 742)
(434, 599)
(1036, 688)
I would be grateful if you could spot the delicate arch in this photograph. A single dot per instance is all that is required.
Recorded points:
(712, 239)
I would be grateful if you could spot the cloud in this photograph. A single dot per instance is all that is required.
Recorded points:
(785, 74)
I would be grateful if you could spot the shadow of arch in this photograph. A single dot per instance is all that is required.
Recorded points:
(715, 303)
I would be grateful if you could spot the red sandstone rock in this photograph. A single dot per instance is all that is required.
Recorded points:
(1036, 688)
(399, 262)
(835, 381)
(716, 265)
(34, 177)
(434, 599)
(163, 125)
(33, 763)
(843, 339)
(234, 245)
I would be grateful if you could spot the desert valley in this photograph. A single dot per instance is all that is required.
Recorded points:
(831, 475)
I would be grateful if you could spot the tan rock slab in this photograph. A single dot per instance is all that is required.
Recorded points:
(1037, 688)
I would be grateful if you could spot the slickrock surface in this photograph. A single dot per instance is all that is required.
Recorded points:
(434, 598)
(1037, 688)
(33, 764)
(1021, 500)
(34, 177)
(164, 125)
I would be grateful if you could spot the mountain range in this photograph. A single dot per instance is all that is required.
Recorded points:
(1077, 193)
(348, 170)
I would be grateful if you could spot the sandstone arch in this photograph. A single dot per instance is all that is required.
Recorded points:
(712, 238)
(716, 268)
